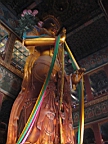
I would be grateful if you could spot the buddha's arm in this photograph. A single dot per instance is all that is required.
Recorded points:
(44, 41)
(39, 41)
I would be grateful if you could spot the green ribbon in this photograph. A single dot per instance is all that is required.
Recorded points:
(41, 94)
(81, 98)
(75, 66)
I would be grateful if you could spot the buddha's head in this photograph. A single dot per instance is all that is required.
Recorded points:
(51, 24)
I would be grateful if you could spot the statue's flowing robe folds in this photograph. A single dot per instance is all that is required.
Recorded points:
(47, 126)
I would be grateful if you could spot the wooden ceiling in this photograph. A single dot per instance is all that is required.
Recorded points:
(85, 21)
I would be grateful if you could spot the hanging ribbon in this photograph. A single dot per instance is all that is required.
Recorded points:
(37, 106)
(81, 112)
(81, 99)
(30, 37)
(74, 63)
(61, 97)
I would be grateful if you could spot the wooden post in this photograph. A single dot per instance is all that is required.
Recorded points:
(9, 48)
(88, 88)
(97, 134)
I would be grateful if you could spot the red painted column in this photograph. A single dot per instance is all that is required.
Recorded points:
(97, 134)
(106, 69)
(88, 88)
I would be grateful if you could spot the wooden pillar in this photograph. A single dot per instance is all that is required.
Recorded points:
(88, 88)
(97, 134)
(9, 48)
(106, 69)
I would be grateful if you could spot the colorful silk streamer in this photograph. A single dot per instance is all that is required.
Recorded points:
(81, 113)
(33, 121)
(28, 37)
(37, 106)
(38, 102)
(81, 99)
(61, 97)
(74, 63)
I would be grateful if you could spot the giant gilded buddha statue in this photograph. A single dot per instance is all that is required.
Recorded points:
(42, 112)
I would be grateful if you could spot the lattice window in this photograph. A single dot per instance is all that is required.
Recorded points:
(19, 55)
(75, 96)
(3, 40)
(98, 82)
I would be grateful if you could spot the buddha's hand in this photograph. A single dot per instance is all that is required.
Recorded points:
(64, 30)
(63, 35)
(76, 77)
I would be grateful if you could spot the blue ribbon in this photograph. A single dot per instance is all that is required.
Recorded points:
(30, 37)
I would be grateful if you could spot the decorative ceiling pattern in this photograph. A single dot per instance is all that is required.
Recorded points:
(16, 6)
(85, 22)
(89, 39)
(70, 13)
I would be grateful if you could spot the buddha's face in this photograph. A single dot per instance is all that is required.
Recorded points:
(50, 26)
(53, 29)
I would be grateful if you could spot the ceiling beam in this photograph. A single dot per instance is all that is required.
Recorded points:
(34, 4)
(85, 24)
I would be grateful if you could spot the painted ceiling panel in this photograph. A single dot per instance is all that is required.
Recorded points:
(89, 39)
